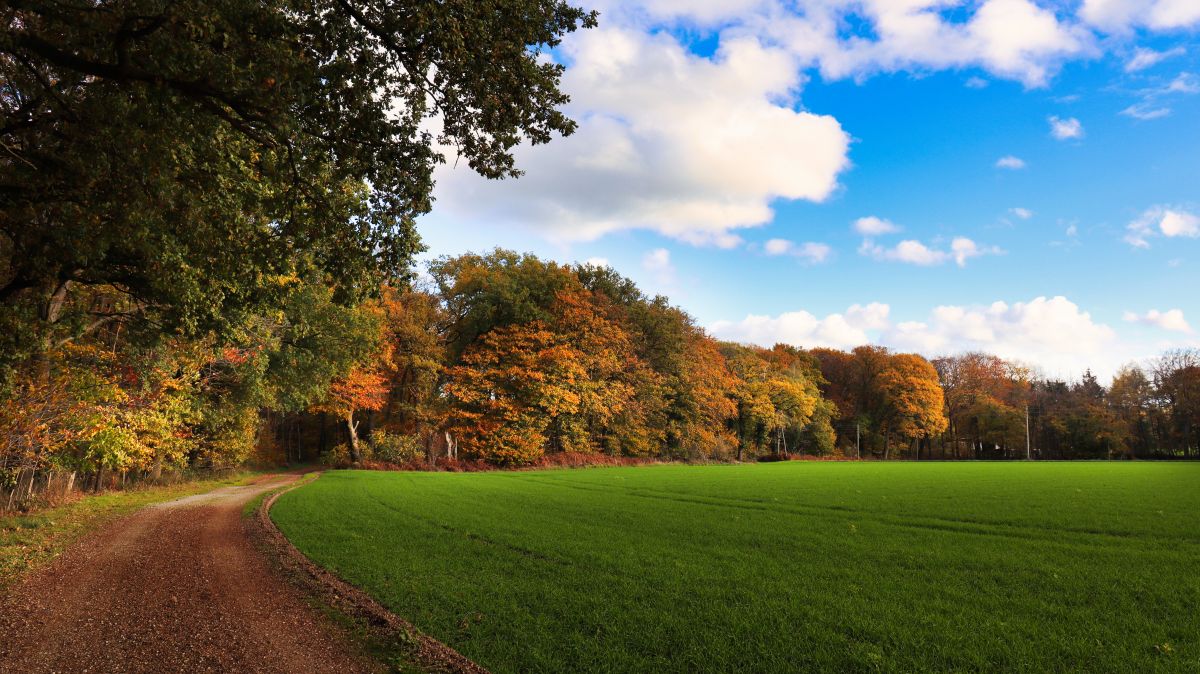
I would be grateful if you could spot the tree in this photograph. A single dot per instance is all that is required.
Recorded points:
(913, 399)
(1177, 385)
(363, 388)
(509, 389)
(1131, 397)
(210, 152)
(412, 320)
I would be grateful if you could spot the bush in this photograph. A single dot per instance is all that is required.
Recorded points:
(338, 457)
(395, 448)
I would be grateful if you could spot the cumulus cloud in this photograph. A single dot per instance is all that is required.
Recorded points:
(873, 226)
(1165, 221)
(1022, 213)
(1143, 58)
(692, 147)
(1065, 129)
(1051, 332)
(1010, 162)
(698, 147)
(597, 262)
(810, 251)
(1172, 320)
(801, 328)
(1120, 16)
(1013, 39)
(911, 251)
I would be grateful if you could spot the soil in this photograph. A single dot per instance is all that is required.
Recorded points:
(180, 586)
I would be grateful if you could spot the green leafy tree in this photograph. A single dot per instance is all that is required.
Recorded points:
(200, 156)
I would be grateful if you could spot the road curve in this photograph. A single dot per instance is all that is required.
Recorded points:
(178, 586)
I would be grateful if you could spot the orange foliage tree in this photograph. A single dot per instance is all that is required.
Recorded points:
(511, 385)
(913, 397)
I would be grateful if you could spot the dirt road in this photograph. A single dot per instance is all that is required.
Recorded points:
(175, 587)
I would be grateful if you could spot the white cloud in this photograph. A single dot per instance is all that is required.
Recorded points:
(691, 147)
(1064, 129)
(1151, 105)
(597, 262)
(811, 252)
(1022, 213)
(976, 83)
(873, 226)
(1184, 83)
(1145, 111)
(1013, 39)
(1171, 319)
(1010, 162)
(1179, 223)
(800, 328)
(1073, 231)
(778, 246)
(1052, 333)
(657, 263)
(658, 259)
(911, 251)
(1167, 221)
(1145, 58)
(963, 249)
(1119, 16)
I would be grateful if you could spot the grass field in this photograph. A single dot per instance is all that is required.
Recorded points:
(781, 567)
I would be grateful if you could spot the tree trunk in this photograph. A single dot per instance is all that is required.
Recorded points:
(51, 311)
(323, 441)
(352, 429)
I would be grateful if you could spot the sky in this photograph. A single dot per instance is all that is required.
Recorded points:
(1020, 177)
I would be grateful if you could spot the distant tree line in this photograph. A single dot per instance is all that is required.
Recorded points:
(508, 359)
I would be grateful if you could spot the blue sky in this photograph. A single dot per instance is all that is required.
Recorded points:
(1012, 176)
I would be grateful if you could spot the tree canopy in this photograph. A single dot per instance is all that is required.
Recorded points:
(198, 158)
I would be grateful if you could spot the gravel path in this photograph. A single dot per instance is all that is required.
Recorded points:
(174, 587)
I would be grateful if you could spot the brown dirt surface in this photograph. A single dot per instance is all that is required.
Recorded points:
(179, 586)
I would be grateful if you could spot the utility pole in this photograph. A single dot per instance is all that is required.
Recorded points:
(1028, 452)
(858, 439)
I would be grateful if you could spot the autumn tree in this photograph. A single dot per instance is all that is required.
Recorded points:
(509, 388)
(412, 323)
(913, 400)
(1131, 397)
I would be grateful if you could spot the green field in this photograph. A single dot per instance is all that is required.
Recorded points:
(780, 567)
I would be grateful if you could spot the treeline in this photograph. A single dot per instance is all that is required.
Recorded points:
(508, 359)
(998, 409)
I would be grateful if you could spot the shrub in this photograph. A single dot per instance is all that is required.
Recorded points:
(338, 456)
(395, 448)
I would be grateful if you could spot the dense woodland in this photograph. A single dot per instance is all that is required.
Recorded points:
(206, 257)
